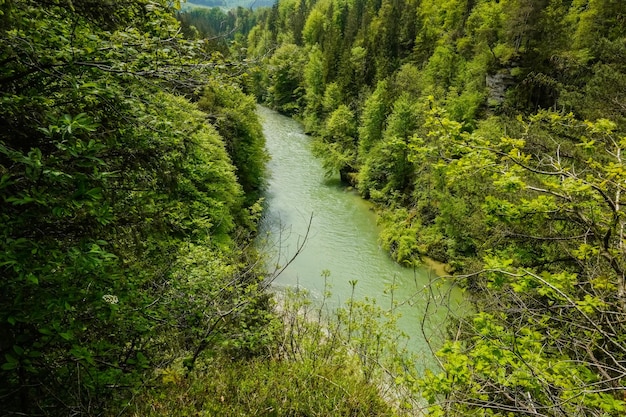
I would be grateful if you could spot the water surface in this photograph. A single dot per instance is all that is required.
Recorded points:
(338, 232)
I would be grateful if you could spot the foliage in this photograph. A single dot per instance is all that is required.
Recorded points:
(233, 114)
(438, 111)
(398, 236)
(227, 4)
(552, 286)
(349, 362)
(114, 193)
(216, 26)
(502, 56)
(375, 110)
(314, 90)
(337, 144)
(263, 387)
(285, 69)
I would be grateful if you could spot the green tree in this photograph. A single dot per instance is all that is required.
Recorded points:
(332, 98)
(233, 114)
(285, 72)
(314, 27)
(388, 172)
(105, 180)
(314, 87)
(373, 117)
(337, 143)
(553, 277)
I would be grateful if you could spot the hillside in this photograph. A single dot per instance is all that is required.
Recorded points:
(228, 4)
(132, 167)
(490, 135)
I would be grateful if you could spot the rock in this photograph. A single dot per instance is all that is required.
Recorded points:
(497, 85)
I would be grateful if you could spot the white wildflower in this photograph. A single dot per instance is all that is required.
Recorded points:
(111, 299)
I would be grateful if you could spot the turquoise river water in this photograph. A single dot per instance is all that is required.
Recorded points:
(342, 235)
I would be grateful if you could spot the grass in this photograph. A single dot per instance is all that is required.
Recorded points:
(262, 387)
(315, 365)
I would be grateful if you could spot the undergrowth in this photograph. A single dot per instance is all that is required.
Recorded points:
(320, 362)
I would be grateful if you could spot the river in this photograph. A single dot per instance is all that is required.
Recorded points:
(342, 233)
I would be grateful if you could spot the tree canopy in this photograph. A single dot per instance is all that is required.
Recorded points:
(490, 135)
(118, 201)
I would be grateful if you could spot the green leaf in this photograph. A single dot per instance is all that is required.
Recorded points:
(32, 279)
(67, 335)
(9, 366)
(10, 358)
(5, 181)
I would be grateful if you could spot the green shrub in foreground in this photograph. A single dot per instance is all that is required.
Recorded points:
(345, 363)
(260, 387)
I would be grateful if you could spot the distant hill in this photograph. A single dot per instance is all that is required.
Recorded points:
(229, 4)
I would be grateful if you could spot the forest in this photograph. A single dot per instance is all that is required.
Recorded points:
(132, 169)
(383, 98)
(488, 134)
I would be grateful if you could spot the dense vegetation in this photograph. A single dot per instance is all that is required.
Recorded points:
(223, 30)
(131, 172)
(228, 4)
(124, 214)
(491, 135)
